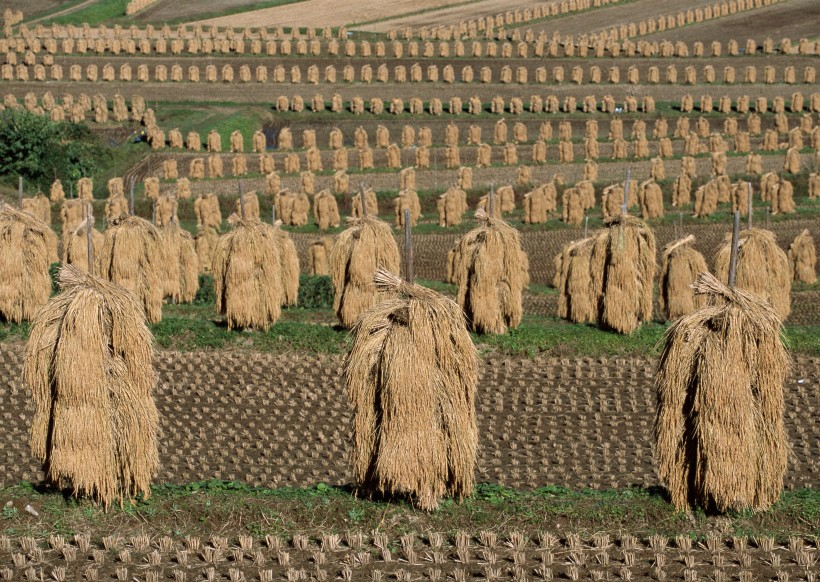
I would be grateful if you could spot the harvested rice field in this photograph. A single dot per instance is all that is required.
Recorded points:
(407, 291)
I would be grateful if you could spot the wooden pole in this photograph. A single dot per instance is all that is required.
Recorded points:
(241, 202)
(586, 226)
(361, 199)
(89, 239)
(491, 200)
(409, 273)
(131, 203)
(749, 215)
(625, 207)
(735, 242)
(273, 214)
(20, 192)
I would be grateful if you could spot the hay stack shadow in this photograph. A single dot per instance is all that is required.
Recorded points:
(411, 376)
(88, 365)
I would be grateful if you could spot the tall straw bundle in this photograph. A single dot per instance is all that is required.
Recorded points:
(536, 208)
(572, 211)
(719, 435)
(89, 368)
(612, 201)
(56, 193)
(208, 214)
(366, 246)
(326, 210)
(451, 206)
(411, 376)
(288, 265)
(165, 210)
(370, 200)
(576, 298)
(204, 243)
(131, 256)
(762, 268)
(180, 267)
(39, 207)
(116, 207)
(248, 277)
(623, 273)
(75, 246)
(650, 197)
(72, 213)
(27, 248)
(491, 272)
(802, 258)
(249, 204)
(680, 266)
(506, 199)
(319, 256)
(407, 200)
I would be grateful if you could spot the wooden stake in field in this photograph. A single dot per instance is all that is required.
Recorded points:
(20, 192)
(719, 434)
(411, 376)
(88, 365)
(131, 199)
(408, 248)
(89, 238)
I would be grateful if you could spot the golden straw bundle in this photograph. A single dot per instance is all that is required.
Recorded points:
(366, 246)
(491, 271)
(680, 266)
(27, 248)
(719, 435)
(248, 276)
(131, 256)
(762, 268)
(623, 273)
(89, 368)
(411, 376)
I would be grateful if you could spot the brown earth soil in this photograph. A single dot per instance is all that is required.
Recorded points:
(794, 19)
(285, 421)
(344, 12)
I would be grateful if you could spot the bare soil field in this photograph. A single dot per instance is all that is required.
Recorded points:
(609, 16)
(794, 19)
(447, 15)
(317, 13)
(30, 7)
(285, 421)
(174, 10)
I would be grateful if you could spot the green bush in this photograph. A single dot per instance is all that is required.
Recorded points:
(205, 293)
(53, 270)
(315, 292)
